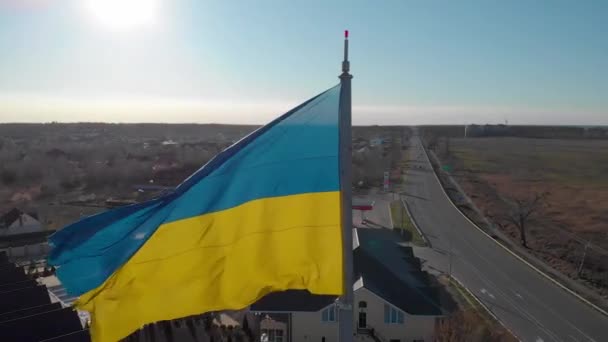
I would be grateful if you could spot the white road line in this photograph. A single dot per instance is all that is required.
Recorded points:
(522, 311)
(485, 307)
(527, 293)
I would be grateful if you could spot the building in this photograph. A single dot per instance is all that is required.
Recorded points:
(28, 314)
(376, 142)
(17, 222)
(394, 299)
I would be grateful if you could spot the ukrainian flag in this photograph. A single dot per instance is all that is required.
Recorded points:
(262, 216)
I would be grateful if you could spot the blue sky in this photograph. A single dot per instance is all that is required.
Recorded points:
(414, 62)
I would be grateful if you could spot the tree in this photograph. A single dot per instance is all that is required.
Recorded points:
(8, 176)
(523, 210)
(368, 167)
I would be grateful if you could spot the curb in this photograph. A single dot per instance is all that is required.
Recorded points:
(484, 306)
(407, 208)
(564, 287)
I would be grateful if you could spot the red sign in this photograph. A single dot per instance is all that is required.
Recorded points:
(364, 207)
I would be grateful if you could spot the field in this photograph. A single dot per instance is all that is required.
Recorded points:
(570, 227)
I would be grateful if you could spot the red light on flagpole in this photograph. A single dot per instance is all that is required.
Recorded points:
(345, 33)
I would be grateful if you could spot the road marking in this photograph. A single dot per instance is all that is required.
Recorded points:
(581, 298)
(522, 310)
(485, 307)
(517, 307)
(485, 292)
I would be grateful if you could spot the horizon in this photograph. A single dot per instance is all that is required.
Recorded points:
(413, 63)
(260, 125)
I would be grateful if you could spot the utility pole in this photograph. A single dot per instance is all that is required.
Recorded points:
(345, 303)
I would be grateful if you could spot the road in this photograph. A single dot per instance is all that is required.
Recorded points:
(531, 306)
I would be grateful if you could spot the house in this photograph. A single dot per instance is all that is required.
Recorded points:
(394, 299)
(17, 222)
(274, 327)
(376, 142)
(27, 312)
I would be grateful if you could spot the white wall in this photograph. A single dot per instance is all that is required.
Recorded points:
(307, 326)
(414, 327)
(28, 251)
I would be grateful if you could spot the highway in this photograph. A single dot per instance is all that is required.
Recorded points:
(532, 307)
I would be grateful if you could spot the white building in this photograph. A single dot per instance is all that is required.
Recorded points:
(394, 300)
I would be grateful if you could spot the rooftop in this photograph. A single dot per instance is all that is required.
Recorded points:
(381, 265)
(26, 311)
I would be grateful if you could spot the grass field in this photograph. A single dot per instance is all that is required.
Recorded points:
(574, 162)
(573, 174)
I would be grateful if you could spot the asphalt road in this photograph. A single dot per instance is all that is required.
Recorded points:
(531, 306)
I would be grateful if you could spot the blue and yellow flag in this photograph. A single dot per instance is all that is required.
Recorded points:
(262, 216)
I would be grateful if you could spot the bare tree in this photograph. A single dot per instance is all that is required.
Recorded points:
(523, 210)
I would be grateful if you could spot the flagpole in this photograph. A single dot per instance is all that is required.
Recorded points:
(346, 302)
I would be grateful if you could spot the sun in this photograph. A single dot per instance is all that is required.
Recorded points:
(124, 15)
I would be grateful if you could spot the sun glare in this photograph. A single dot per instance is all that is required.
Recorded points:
(124, 15)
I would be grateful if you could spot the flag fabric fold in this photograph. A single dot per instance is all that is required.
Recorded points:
(262, 216)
